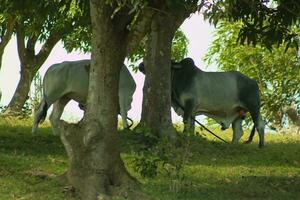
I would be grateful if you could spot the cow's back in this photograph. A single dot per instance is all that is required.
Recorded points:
(219, 91)
(66, 78)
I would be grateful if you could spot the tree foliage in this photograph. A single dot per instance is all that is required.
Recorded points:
(277, 72)
(263, 21)
(40, 19)
(45, 22)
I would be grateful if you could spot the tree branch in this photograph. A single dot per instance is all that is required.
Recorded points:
(47, 47)
(21, 42)
(30, 46)
(8, 33)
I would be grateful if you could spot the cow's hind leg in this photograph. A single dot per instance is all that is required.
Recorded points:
(237, 130)
(260, 127)
(58, 108)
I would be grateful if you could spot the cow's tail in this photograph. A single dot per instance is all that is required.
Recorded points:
(251, 135)
(131, 122)
(39, 115)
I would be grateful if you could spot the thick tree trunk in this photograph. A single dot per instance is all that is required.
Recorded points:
(22, 90)
(95, 166)
(156, 112)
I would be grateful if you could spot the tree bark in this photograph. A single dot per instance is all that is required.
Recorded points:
(156, 113)
(30, 63)
(95, 166)
(294, 117)
(22, 90)
(5, 38)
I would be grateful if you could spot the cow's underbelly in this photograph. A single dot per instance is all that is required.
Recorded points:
(223, 116)
(77, 92)
(79, 97)
(224, 108)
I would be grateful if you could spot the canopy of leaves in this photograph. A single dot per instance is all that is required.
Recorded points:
(39, 19)
(277, 72)
(264, 21)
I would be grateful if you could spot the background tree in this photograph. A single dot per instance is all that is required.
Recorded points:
(277, 72)
(34, 27)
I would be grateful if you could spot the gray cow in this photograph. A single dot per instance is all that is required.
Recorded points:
(70, 80)
(224, 96)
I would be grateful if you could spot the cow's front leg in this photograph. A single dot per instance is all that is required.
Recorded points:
(237, 130)
(189, 123)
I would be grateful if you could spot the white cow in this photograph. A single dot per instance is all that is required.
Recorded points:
(70, 80)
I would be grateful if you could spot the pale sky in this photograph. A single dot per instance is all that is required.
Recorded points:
(198, 32)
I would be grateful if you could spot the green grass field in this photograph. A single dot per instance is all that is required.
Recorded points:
(30, 167)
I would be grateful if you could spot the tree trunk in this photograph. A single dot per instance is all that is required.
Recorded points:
(22, 90)
(30, 64)
(156, 113)
(294, 117)
(95, 166)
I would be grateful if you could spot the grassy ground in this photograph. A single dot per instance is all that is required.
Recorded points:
(29, 167)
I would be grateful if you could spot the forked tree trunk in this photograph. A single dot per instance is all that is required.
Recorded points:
(95, 167)
(30, 64)
(156, 113)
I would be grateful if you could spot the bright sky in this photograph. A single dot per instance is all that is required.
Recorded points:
(196, 30)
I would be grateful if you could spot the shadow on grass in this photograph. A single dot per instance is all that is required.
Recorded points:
(18, 139)
(204, 152)
(208, 152)
(248, 187)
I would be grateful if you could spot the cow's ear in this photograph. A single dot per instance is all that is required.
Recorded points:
(142, 67)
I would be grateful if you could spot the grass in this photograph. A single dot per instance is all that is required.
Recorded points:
(29, 167)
